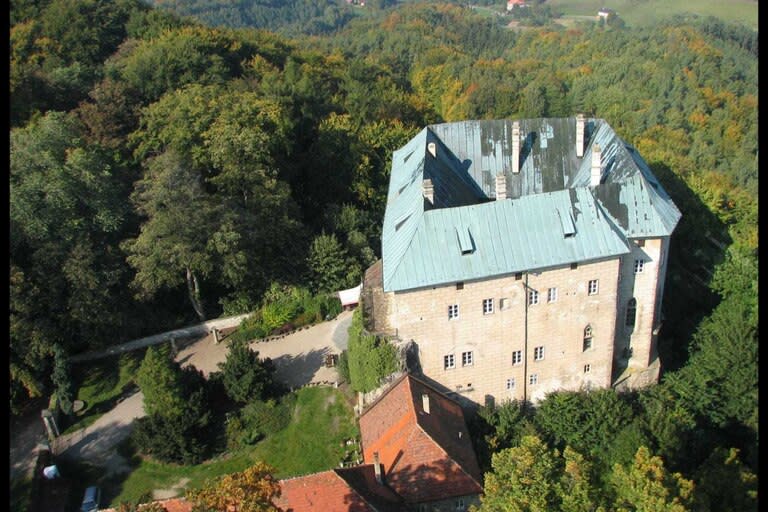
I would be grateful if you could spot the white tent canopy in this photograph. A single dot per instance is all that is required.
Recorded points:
(351, 296)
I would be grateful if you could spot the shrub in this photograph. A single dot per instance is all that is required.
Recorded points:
(369, 358)
(343, 366)
(286, 307)
(185, 439)
(259, 419)
(244, 375)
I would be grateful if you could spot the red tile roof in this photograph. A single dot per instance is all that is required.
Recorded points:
(426, 456)
(338, 490)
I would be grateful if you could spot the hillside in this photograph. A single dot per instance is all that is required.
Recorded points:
(163, 171)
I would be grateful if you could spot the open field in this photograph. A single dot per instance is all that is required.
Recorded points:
(644, 12)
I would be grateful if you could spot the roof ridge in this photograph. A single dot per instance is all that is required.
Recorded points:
(296, 477)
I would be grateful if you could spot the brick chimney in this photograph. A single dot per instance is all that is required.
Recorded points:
(428, 190)
(377, 468)
(516, 147)
(501, 187)
(580, 135)
(596, 173)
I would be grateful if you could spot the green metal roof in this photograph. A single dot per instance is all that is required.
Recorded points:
(551, 217)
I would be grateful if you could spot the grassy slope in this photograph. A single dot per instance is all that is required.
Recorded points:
(645, 12)
(312, 442)
(102, 382)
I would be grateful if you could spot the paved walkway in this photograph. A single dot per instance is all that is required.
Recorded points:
(299, 359)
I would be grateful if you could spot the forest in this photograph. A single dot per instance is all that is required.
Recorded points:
(163, 171)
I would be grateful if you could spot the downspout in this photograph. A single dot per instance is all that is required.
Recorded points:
(525, 342)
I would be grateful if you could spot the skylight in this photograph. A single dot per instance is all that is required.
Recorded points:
(465, 240)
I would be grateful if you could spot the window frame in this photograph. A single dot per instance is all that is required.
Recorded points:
(453, 311)
(587, 338)
(519, 355)
(593, 290)
(533, 379)
(538, 353)
(467, 358)
(551, 295)
(488, 306)
(449, 362)
(631, 307)
(511, 384)
(639, 266)
(533, 297)
(587, 368)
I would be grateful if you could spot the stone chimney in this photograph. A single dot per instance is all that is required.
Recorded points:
(428, 190)
(432, 148)
(377, 468)
(516, 147)
(596, 173)
(580, 135)
(501, 187)
(425, 402)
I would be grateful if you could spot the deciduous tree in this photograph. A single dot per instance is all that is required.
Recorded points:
(251, 490)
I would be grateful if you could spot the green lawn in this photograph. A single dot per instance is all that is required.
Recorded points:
(313, 441)
(101, 383)
(636, 13)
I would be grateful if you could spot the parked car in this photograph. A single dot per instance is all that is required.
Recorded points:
(91, 499)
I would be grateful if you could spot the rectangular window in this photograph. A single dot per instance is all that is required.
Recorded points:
(538, 353)
(511, 383)
(449, 362)
(574, 266)
(517, 357)
(552, 295)
(533, 297)
(459, 286)
(466, 359)
(518, 276)
(639, 264)
(593, 287)
(487, 306)
(533, 379)
(587, 368)
(587, 343)
(453, 311)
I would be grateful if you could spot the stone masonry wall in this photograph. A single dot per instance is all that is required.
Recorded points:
(492, 337)
(645, 287)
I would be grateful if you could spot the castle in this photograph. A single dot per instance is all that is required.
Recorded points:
(523, 257)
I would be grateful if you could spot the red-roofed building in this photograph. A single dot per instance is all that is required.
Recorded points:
(514, 4)
(419, 440)
(338, 490)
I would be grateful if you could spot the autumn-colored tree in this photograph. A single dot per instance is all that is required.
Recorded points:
(523, 478)
(646, 485)
(251, 490)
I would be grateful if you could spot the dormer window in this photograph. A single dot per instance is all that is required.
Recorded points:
(465, 240)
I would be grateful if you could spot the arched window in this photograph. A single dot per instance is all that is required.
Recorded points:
(587, 338)
(631, 312)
